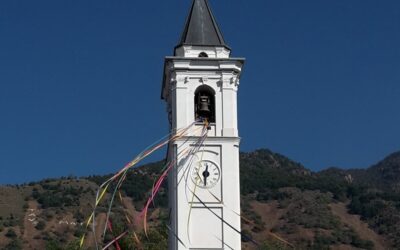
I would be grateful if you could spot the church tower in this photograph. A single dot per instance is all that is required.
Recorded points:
(200, 83)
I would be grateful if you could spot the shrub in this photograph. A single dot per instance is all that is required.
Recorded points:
(246, 236)
(273, 246)
(13, 245)
(53, 245)
(41, 225)
(11, 234)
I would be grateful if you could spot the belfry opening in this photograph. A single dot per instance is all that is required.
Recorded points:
(204, 101)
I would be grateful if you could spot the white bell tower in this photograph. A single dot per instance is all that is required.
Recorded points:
(201, 81)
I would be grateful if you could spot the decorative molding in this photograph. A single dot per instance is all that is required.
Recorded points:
(235, 81)
(173, 81)
(204, 79)
(229, 81)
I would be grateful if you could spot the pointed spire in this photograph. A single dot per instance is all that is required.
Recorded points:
(201, 27)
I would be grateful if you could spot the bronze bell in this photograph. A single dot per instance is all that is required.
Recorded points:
(204, 105)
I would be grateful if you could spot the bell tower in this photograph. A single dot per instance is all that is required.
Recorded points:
(200, 83)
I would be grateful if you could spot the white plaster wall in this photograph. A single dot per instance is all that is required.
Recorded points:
(194, 51)
(182, 77)
(182, 87)
(223, 197)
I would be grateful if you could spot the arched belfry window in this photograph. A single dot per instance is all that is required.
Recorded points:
(204, 103)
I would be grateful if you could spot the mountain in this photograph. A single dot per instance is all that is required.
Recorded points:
(386, 173)
(284, 206)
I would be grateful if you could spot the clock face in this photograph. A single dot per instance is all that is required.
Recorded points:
(205, 174)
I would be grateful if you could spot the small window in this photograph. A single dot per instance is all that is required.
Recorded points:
(203, 54)
(204, 101)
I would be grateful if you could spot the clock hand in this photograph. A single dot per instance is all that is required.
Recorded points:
(205, 175)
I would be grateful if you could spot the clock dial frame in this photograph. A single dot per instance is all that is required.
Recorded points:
(205, 174)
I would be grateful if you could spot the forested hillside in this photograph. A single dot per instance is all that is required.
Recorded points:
(284, 206)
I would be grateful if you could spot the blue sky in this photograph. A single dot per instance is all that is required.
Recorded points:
(80, 80)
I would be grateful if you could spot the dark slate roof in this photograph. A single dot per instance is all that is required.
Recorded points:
(201, 27)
